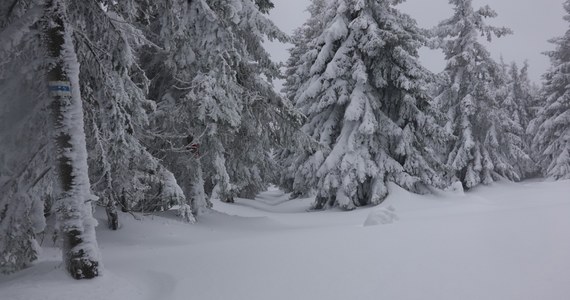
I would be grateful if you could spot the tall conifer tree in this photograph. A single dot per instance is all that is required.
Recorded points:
(518, 103)
(551, 128)
(212, 82)
(486, 140)
(363, 91)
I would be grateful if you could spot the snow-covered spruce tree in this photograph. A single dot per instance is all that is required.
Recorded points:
(115, 89)
(487, 139)
(73, 208)
(297, 73)
(26, 181)
(518, 103)
(212, 84)
(551, 127)
(366, 104)
(523, 93)
(267, 119)
(26, 172)
(264, 115)
(26, 178)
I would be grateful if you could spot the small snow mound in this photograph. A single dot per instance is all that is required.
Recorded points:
(456, 187)
(382, 216)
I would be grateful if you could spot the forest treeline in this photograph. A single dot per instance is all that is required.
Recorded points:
(146, 106)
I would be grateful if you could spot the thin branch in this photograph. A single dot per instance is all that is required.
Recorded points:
(25, 168)
(42, 175)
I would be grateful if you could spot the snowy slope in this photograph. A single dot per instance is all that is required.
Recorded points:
(506, 241)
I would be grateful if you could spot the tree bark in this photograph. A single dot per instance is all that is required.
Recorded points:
(74, 213)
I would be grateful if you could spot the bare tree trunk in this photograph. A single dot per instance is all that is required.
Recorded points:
(74, 213)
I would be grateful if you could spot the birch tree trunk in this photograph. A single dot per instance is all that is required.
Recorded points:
(74, 212)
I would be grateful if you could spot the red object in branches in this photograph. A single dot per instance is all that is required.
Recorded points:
(195, 148)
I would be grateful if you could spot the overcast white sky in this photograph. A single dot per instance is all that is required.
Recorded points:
(533, 21)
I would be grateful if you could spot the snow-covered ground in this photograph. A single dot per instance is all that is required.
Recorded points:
(506, 241)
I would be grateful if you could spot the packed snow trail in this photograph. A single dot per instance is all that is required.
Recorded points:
(506, 241)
